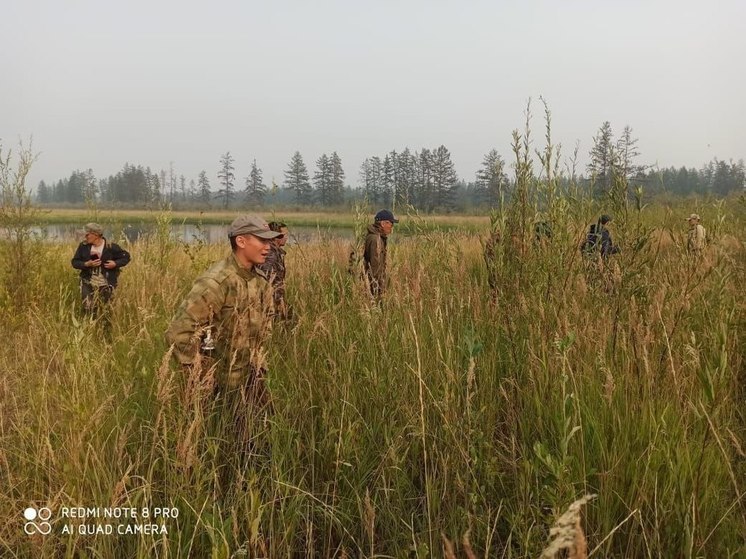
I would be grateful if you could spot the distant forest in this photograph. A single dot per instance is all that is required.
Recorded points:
(425, 179)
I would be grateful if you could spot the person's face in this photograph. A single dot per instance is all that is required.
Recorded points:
(251, 250)
(386, 227)
(281, 241)
(91, 238)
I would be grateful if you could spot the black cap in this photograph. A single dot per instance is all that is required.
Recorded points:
(385, 215)
(605, 219)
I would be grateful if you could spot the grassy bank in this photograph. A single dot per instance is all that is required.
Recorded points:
(116, 219)
(448, 410)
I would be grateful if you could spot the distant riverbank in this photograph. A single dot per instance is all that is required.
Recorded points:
(323, 220)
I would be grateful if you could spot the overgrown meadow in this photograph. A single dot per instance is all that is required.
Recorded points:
(452, 419)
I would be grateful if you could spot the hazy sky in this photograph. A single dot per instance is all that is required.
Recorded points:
(102, 83)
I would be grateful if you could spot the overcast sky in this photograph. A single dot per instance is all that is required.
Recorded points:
(102, 83)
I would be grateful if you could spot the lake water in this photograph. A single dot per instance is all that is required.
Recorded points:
(185, 232)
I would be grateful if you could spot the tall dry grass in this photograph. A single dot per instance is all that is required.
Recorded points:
(445, 414)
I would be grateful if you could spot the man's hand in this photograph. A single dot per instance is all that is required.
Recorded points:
(110, 264)
(93, 263)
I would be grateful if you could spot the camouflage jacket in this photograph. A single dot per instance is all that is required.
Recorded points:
(274, 270)
(696, 239)
(230, 308)
(374, 256)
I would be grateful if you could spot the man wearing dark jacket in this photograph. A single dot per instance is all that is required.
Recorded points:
(99, 262)
(599, 239)
(374, 255)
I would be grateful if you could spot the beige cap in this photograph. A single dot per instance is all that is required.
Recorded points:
(94, 228)
(252, 225)
(693, 216)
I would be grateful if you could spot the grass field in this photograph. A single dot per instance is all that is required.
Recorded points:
(449, 412)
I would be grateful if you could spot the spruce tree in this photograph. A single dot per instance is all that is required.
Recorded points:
(203, 188)
(255, 187)
(603, 161)
(226, 178)
(626, 147)
(43, 193)
(491, 179)
(296, 179)
(444, 179)
(425, 196)
(322, 181)
(370, 178)
(337, 179)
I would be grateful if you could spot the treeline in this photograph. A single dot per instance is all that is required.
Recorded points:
(425, 179)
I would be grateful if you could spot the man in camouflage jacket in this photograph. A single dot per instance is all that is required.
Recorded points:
(274, 269)
(374, 254)
(227, 315)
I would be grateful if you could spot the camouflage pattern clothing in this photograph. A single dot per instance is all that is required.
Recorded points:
(227, 316)
(696, 239)
(274, 270)
(374, 256)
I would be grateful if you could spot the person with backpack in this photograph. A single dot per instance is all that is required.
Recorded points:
(598, 240)
(374, 255)
(697, 236)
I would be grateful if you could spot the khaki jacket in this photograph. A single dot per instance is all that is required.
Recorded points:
(232, 306)
(696, 239)
(374, 257)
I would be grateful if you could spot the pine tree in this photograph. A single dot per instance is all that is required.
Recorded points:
(425, 196)
(370, 178)
(171, 181)
(90, 188)
(603, 162)
(337, 179)
(255, 187)
(406, 177)
(43, 193)
(626, 147)
(76, 186)
(387, 181)
(226, 178)
(322, 181)
(154, 184)
(296, 179)
(491, 179)
(163, 185)
(59, 191)
(445, 180)
(203, 188)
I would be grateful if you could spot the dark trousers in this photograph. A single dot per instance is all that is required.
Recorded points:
(95, 299)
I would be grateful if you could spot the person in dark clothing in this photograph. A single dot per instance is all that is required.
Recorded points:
(374, 255)
(99, 262)
(599, 239)
(274, 269)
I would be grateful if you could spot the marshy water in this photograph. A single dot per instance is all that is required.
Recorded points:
(210, 234)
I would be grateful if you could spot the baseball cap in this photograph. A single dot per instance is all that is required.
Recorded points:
(385, 215)
(94, 228)
(693, 216)
(252, 225)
